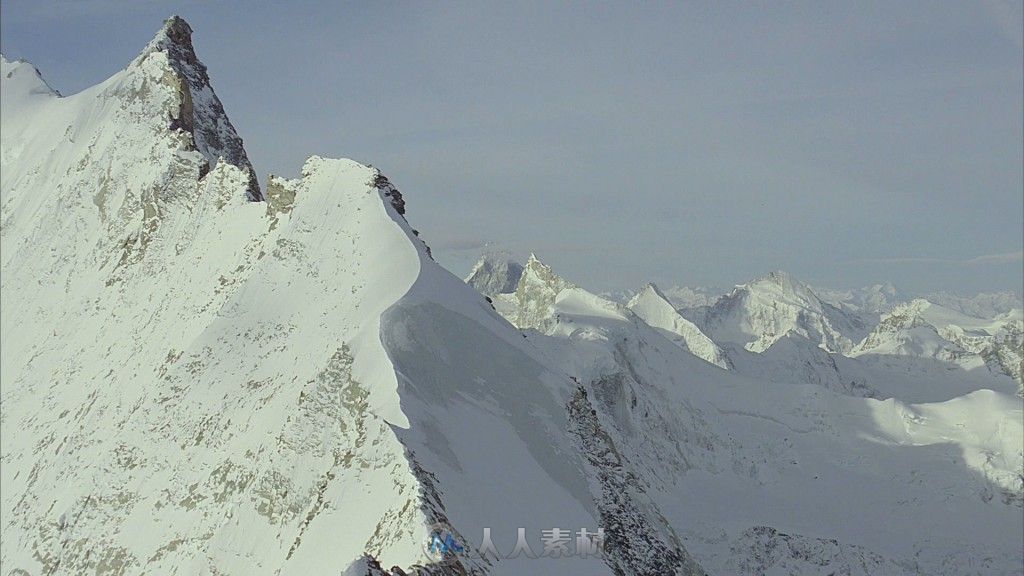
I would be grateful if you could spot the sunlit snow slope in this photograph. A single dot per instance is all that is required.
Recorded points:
(198, 377)
(192, 382)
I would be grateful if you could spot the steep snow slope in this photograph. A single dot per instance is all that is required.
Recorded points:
(197, 383)
(757, 314)
(654, 308)
(762, 477)
(192, 382)
(503, 433)
(173, 401)
(192, 406)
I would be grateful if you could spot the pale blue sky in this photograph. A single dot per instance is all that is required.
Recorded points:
(685, 143)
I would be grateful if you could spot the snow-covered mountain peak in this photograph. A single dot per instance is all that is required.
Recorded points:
(539, 277)
(495, 273)
(785, 284)
(914, 308)
(650, 291)
(759, 313)
(782, 278)
(654, 308)
(920, 311)
(196, 383)
(868, 302)
(115, 180)
(536, 292)
(174, 37)
(200, 113)
(22, 80)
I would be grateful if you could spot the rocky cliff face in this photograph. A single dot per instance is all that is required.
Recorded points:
(535, 294)
(200, 113)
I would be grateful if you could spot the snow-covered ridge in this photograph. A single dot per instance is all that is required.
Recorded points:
(779, 311)
(654, 308)
(922, 329)
(218, 389)
(192, 368)
(984, 305)
(239, 386)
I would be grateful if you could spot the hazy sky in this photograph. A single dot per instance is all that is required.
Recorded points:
(685, 143)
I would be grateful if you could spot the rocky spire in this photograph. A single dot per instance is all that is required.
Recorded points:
(202, 114)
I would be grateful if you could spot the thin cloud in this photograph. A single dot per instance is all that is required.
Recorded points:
(984, 259)
(459, 244)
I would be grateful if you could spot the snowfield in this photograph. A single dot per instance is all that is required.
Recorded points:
(200, 376)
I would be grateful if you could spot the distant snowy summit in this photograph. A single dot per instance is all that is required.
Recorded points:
(758, 314)
(654, 308)
(875, 321)
(495, 274)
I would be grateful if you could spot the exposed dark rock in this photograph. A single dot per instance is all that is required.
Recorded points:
(633, 544)
(201, 113)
